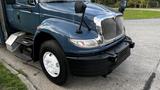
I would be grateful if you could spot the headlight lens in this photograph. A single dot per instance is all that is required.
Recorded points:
(89, 43)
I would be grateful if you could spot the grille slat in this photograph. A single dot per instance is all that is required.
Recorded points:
(112, 28)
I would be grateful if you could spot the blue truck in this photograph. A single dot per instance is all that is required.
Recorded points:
(66, 36)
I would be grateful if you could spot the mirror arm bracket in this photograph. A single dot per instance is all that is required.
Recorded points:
(82, 20)
(87, 25)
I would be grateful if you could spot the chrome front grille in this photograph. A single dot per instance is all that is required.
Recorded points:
(112, 28)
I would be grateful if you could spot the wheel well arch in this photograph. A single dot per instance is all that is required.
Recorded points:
(39, 39)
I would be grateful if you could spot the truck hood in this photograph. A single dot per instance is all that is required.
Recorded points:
(67, 9)
(65, 12)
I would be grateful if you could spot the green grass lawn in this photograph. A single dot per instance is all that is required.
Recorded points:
(8, 81)
(141, 14)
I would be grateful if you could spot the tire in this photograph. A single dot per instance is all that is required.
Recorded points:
(60, 76)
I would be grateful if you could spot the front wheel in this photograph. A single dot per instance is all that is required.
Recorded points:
(53, 62)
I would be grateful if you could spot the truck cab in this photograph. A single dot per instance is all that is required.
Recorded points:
(66, 36)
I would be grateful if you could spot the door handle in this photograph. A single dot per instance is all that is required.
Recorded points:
(18, 16)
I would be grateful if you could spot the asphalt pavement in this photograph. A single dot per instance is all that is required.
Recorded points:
(141, 71)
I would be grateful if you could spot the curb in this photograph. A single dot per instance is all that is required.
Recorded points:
(22, 77)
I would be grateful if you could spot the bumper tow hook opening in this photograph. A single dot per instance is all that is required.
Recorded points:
(114, 59)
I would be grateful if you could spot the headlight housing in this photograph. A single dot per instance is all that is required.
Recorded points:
(88, 43)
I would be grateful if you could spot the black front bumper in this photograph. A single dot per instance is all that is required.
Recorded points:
(103, 63)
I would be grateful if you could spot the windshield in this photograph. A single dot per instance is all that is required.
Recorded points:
(47, 1)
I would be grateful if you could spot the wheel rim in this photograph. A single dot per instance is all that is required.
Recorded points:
(51, 64)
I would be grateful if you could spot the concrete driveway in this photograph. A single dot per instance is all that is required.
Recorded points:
(140, 71)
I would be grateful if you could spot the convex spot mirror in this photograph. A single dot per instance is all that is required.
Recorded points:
(11, 1)
(123, 5)
(80, 7)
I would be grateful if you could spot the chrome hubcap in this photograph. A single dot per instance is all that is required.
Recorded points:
(51, 64)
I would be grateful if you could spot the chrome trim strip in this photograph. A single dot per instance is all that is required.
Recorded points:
(112, 40)
(98, 20)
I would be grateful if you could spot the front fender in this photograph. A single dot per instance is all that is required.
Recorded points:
(60, 30)
(48, 30)
(58, 26)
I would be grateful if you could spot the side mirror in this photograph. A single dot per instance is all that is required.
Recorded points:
(80, 7)
(123, 5)
(10, 1)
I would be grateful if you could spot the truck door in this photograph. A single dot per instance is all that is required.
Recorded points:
(27, 15)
